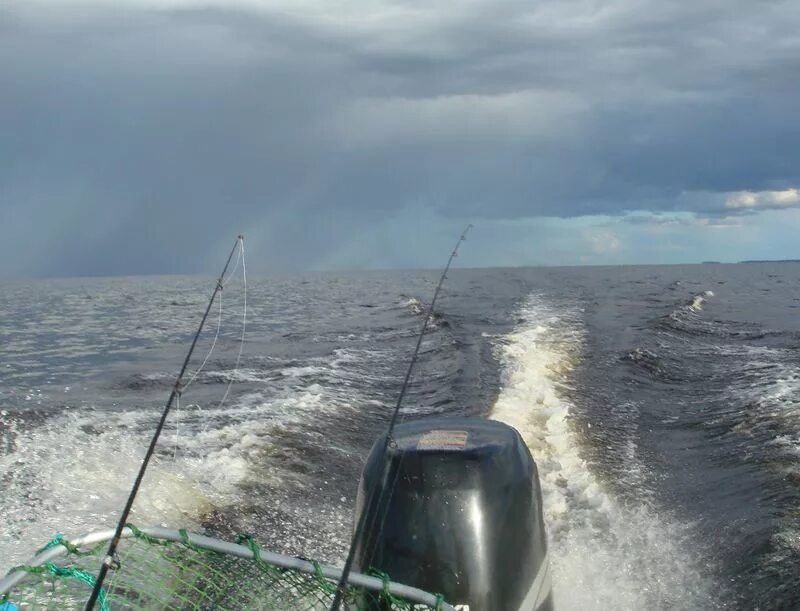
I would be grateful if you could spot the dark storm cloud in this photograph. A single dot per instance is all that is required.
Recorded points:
(143, 133)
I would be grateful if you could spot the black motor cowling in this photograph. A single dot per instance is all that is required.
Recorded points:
(459, 513)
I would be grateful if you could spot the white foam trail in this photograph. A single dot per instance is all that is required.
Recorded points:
(698, 300)
(413, 305)
(604, 554)
(72, 472)
(67, 476)
(768, 389)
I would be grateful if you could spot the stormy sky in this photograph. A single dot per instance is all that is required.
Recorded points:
(141, 136)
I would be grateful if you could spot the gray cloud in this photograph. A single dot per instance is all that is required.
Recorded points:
(134, 137)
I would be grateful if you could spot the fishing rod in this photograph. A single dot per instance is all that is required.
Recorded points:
(111, 562)
(361, 527)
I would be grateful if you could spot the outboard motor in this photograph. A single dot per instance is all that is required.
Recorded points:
(459, 513)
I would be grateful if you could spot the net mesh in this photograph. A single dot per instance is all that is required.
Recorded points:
(156, 573)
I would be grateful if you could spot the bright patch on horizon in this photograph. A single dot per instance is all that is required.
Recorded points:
(763, 199)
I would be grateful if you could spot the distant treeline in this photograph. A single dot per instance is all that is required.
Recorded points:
(772, 261)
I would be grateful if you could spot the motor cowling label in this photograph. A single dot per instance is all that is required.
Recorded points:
(443, 440)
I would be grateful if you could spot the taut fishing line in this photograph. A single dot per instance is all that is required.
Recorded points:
(111, 562)
(244, 324)
(194, 375)
(239, 259)
(362, 526)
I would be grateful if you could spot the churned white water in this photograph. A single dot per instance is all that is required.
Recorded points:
(604, 554)
(72, 475)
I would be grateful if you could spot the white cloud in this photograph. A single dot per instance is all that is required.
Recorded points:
(742, 200)
(725, 222)
(602, 241)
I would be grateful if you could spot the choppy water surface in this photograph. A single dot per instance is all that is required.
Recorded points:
(660, 403)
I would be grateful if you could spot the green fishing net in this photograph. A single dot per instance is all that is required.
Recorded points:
(159, 573)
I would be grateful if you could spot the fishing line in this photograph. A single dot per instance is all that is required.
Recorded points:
(240, 254)
(111, 561)
(177, 419)
(239, 258)
(369, 549)
(210, 350)
(244, 325)
(362, 527)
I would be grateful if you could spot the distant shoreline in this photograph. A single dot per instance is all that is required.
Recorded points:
(750, 261)
(770, 261)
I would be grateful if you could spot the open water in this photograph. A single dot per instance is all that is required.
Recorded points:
(660, 403)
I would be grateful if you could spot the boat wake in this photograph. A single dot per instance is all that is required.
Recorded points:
(71, 473)
(605, 554)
